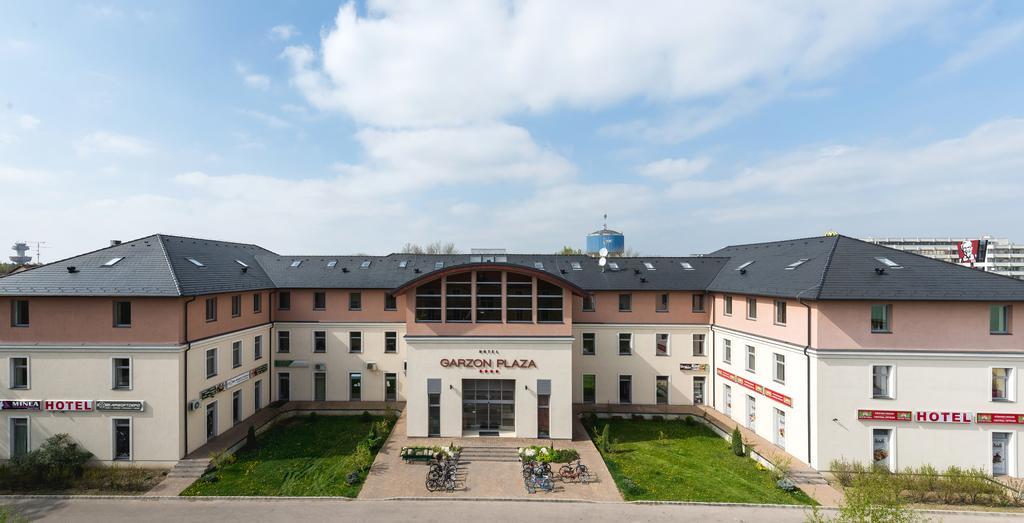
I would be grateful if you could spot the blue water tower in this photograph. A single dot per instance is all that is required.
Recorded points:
(614, 241)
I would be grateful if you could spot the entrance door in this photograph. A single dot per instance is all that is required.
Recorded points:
(355, 386)
(780, 428)
(698, 390)
(751, 413)
(320, 386)
(284, 386)
(727, 400)
(488, 406)
(661, 390)
(390, 386)
(211, 420)
(1000, 453)
(543, 408)
(881, 448)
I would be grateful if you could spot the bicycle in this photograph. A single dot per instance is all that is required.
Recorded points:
(575, 471)
(442, 474)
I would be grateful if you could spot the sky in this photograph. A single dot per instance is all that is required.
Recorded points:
(316, 127)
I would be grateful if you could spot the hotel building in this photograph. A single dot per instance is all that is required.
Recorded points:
(828, 347)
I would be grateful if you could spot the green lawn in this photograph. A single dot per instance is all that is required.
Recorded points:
(306, 456)
(691, 463)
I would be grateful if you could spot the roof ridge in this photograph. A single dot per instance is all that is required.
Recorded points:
(776, 242)
(164, 235)
(828, 265)
(94, 251)
(170, 267)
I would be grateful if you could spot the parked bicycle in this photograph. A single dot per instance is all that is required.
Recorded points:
(537, 476)
(442, 474)
(575, 471)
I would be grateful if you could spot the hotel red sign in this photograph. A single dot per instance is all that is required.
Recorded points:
(994, 417)
(943, 417)
(68, 405)
(756, 387)
(885, 415)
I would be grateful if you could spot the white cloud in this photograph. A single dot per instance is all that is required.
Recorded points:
(670, 169)
(102, 142)
(268, 119)
(28, 122)
(983, 46)
(415, 63)
(283, 32)
(253, 80)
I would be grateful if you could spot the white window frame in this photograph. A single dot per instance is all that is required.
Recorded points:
(1011, 385)
(257, 347)
(726, 351)
(892, 446)
(113, 373)
(668, 344)
(289, 380)
(241, 407)
(241, 356)
(10, 372)
(10, 434)
(727, 305)
(750, 352)
(351, 338)
(751, 317)
(131, 439)
(583, 388)
(216, 364)
(668, 390)
(257, 395)
(775, 367)
(583, 351)
(386, 351)
(618, 343)
(891, 384)
(349, 385)
(703, 343)
(312, 340)
(780, 305)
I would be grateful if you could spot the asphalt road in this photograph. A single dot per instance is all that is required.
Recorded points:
(221, 510)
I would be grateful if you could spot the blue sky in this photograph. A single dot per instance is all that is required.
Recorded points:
(317, 127)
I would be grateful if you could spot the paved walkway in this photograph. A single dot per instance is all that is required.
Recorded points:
(221, 510)
(390, 477)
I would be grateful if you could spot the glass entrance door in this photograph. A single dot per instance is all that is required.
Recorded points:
(488, 406)
(1000, 454)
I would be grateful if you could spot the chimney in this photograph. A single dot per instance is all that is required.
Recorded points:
(115, 243)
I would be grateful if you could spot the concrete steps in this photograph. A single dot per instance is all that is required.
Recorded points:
(807, 477)
(189, 468)
(483, 453)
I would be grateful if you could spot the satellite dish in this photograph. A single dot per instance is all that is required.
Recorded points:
(603, 252)
(602, 262)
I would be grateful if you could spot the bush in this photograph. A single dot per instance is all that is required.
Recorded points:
(250, 438)
(366, 417)
(390, 415)
(689, 421)
(737, 442)
(630, 487)
(547, 454)
(221, 459)
(605, 444)
(781, 465)
(925, 484)
(54, 465)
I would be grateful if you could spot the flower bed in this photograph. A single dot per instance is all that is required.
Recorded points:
(547, 454)
(427, 453)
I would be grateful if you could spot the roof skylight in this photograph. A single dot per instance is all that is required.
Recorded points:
(744, 265)
(889, 263)
(365, 264)
(113, 261)
(195, 262)
(576, 266)
(796, 264)
(403, 264)
(332, 264)
(686, 266)
(650, 266)
(242, 263)
(296, 263)
(613, 265)
(439, 265)
(538, 265)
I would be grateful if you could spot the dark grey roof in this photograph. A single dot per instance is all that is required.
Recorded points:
(844, 268)
(156, 265)
(385, 272)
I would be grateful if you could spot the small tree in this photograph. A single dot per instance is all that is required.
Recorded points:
(606, 439)
(250, 438)
(737, 442)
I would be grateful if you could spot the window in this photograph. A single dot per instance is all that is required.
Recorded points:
(211, 363)
(626, 389)
(625, 344)
(284, 386)
(780, 312)
(122, 314)
(236, 306)
(625, 302)
(881, 318)
(439, 265)
(881, 448)
(728, 306)
(661, 390)
(751, 412)
(122, 439)
(355, 386)
(576, 266)
(403, 264)
(549, 302)
(19, 373)
(751, 360)
(698, 303)
(459, 298)
(881, 382)
(319, 341)
(589, 343)
(295, 264)
(236, 354)
(365, 264)
(744, 265)
(390, 302)
(687, 266)
(320, 301)
(319, 386)
(332, 264)
(390, 342)
(428, 302)
(698, 345)
(257, 348)
(355, 301)
(779, 371)
(662, 305)
(613, 266)
(19, 313)
(211, 309)
(284, 341)
(999, 319)
(236, 407)
(889, 263)
(195, 262)
(796, 264)
(257, 395)
(284, 301)
(257, 302)
(355, 342)
(661, 345)
(727, 351)
(122, 373)
(649, 266)
(242, 263)
(538, 266)
(488, 296)
(519, 298)
(1002, 384)
(19, 437)
(698, 390)
(589, 303)
(589, 388)
(751, 308)
(113, 261)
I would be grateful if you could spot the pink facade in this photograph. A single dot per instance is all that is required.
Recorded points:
(337, 307)
(90, 321)
(643, 310)
(793, 331)
(199, 328)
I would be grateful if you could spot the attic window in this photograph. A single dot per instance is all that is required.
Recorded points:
(439, 265)
(538, 265)
(576, 266)
(296, 263)
(796, 264)
(614, 266)
(195, 262)
(242, 263)
(332, 264)
(650, 266)
(403, 264)
(686, 266)
(889, 263)
(113, 261)
(365, 264)
(745, 265)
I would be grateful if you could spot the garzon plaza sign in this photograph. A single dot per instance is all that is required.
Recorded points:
(488, 365)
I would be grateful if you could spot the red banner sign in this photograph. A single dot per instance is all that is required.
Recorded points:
(995, 417)
(760, 389)
(943, 417)
(68, 405)
(885, 415)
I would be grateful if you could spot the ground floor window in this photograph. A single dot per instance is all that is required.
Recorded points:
(589, 388)
(488, 406)
(433, 407)
(211, 420)
(122, 439)
(625, 389)
(881, 448)
(543, 408)
(780, 428)
(1001, 454)
(257, 394)
(319, 386)
(661, 390)
(19, 437)
(727, 400)
(355, 386)
(751, 412)
(284, 386)
(698, 390)
(390, 386)
(236, 407)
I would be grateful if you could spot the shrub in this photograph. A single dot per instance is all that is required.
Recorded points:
(250, 438)
(782, 464)
(222, 459)
(366, 417)
(120, 479)
(662, 436)
(390, 415)
(605, 440)
(54, 465)
(631, 487)
(547, 454)
(313, 417)
(737, 442)
(689, 421)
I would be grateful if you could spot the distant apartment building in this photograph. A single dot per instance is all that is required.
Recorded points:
(997, 255)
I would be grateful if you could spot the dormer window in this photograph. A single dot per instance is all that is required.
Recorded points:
(195, 262)
(649, 266)
(888, 263)
(745, 265)
(796, 264)
(242, 263)
(332, 264)
(296, 263)
(686, 266)
(576, 266)
(113, 261)
(365, 264)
